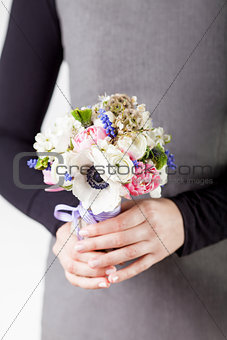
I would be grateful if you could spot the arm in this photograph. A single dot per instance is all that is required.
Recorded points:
(205, 216)
(29, 66)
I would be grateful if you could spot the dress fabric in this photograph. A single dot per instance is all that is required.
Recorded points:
(137, 47)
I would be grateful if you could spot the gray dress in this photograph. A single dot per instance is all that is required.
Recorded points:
(137, 47)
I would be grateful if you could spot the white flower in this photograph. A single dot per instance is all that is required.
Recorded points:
(43, 142)
(135, 145)
(64, 129)
(156, 136)
(117, 165)
(141, 108)
(134, 100)
(103, 99)
(146, 120)
(163, 175)
(156, 193)
(88, 186)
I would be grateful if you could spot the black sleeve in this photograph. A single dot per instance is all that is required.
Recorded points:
(29, 66)
(205, 216)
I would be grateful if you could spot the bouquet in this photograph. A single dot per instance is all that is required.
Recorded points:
(109, 151)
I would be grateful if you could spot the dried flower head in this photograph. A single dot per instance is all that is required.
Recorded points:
(128, 120)
(119, 102)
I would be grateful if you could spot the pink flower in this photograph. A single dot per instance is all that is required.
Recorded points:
(47, 179)
(88, 137)
(146, 179)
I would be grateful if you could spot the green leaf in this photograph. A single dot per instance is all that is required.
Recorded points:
(146, 156)
(42, 163)
(83, 116)
(67, 187)
(158, 156)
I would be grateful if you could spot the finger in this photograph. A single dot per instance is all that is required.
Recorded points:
(121, 255)
(114, 240)
(87, 283)
(125, 220)
(86, 256)
(65, 240)
(137, 267)
(83, 269)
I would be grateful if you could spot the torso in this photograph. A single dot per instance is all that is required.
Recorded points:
(138, 47)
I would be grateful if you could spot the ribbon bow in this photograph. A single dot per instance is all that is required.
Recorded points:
(66, 213)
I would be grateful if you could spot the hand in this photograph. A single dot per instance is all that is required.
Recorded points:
(75, 264)
(150, 231)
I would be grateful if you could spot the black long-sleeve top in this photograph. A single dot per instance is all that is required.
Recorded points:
(29, 66)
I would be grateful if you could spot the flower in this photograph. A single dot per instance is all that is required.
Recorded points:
(117, 165)
(156, 193)
(134, 100)
(48, 179)
(43, 142)
(32, 163)
(63, 130)
(146, 179)
(163, 175)
(88, 137)
(118, 102)
(91, 189)
(107, 123)
(134, 145)
(141, 108)
(170, 160)
(157, 136)
(58, 137)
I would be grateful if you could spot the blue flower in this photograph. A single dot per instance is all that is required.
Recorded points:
(68, 177)
(107, 124)
(170, 160)
(32, 163)
(136, 164)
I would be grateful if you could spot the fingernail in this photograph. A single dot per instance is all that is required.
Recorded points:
(103, 284)
(79, 247)
(93, 263)
(110, 270)
(113, 279)
(83, 232)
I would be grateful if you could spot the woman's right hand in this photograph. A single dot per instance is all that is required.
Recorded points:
(75, 264)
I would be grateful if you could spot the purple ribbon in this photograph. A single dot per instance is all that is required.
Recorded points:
(66, 213)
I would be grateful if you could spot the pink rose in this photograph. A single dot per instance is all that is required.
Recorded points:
(146, 179)
(88, 137)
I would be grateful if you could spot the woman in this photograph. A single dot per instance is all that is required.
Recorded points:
(134, 47)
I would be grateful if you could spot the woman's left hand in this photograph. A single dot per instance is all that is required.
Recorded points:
(149, 231)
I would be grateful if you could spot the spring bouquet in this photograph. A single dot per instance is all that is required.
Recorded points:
(108, 151)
